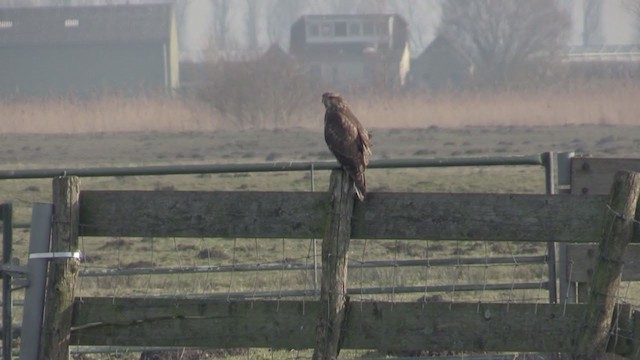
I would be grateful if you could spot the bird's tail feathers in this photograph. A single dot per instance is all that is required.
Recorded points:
(360, 193)
(360, 184)
(359, 181)
(366, 149)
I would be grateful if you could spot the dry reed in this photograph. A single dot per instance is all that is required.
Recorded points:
(612, 103)
(104, 114)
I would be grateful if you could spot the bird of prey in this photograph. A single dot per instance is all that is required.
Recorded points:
(347, 139)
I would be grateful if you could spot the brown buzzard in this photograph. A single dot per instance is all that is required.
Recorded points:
(347, 139)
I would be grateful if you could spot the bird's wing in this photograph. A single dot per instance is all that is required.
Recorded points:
(364, 138)
(341, 136)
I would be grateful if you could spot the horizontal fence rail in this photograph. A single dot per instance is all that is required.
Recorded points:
(303, 215)
(536, 159)
(382, 290)
(372, 325)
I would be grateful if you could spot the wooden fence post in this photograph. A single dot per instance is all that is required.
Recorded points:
(617, 232)
(334, 302)
(63, 270)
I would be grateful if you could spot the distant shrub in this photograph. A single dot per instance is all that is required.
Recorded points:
(270, 92)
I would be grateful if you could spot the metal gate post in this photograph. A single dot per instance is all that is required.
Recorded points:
(314, 242)
(567, 288)
(37, 272)
(550, 170)
(6, 216)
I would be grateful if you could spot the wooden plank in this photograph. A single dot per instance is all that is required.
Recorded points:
(594, 176)
(335, 251)
(593, 335)
(435, 216)
(291, 324)
(63, 272)
(203, 214)
(517, 217)
(582, 259)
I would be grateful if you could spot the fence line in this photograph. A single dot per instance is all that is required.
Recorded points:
(526, 160)
(536, 159)
(394, 289)
(280, 266)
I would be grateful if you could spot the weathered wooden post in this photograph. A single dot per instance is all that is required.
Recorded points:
(617, 232)
(334, 301)
(63, 270)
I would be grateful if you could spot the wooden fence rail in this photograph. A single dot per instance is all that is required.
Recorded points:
(471, 327)
(303, 215)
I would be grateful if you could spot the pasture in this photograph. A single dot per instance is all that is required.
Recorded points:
(125, 149)
(78, 148)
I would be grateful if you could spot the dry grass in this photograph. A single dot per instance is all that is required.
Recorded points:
(105, 114)
(612, 103)
(608, 102)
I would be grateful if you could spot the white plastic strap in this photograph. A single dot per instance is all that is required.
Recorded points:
(56, 255)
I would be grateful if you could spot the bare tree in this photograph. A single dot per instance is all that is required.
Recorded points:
(505, 37)
(373, 6)
(634, 7)
(281, 14)
(220, 15)
(252, 13)
(182, 8)
(421, 15)
(591, 30)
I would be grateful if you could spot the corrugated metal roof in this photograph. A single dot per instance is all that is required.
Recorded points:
(85, 24)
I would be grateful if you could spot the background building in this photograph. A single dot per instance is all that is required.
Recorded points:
(441, 66)
(353, 50)
(85, 50)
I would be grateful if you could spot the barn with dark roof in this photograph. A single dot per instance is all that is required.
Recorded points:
(86, 50)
